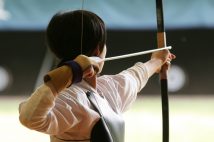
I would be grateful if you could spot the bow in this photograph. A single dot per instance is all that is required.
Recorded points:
(161, 42)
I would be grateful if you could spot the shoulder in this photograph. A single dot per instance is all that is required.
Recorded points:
(73, 96)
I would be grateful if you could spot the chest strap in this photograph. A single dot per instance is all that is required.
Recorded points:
(111, 126)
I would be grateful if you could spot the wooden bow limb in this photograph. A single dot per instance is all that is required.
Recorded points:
(161, 41)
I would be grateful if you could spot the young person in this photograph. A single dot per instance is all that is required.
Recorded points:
(62, 107)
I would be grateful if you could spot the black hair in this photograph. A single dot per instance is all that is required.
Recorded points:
(64, 31)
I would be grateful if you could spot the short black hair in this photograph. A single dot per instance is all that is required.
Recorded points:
(63, 34)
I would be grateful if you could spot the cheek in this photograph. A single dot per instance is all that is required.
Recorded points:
(103, 54)
(101, 66)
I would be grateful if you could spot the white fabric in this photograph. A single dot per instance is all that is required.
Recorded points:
(70, 116)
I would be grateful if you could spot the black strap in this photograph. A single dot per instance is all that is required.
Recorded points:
(94, 103)
(100, 132)
(112, 122)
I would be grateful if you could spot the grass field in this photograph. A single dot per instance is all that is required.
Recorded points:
(191, 120)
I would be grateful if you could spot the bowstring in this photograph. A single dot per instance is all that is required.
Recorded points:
(82, 26)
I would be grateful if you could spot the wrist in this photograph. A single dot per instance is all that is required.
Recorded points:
(76, 71)
(153, 66)
(157, 61)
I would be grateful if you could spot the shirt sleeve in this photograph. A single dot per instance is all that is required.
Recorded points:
(39, 112)
(122, 88)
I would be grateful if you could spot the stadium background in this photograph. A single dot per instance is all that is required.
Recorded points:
(131, 28)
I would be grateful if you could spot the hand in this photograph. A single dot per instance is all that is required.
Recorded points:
(89, 67)
(165, 57)
(161, 55)
(167, 64)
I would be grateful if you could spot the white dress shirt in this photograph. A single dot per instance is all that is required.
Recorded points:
(69, 116)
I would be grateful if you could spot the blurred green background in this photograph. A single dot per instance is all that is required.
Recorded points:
(191, 120)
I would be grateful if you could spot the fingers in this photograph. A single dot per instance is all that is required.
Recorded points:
(167, 58)
(89, 66)
(85, 62)
(172, 56)
(90, 71)
(167, 64)
(161, 55)
(95, 66)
